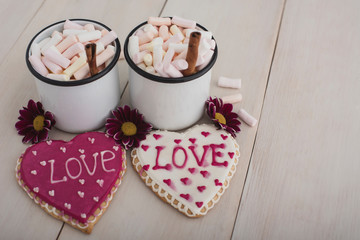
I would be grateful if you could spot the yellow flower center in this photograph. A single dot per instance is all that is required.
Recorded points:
(128, 128)
(38, 123)
(220, 118)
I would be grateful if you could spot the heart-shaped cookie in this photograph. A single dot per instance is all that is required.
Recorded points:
(188, 170)
(73, 181)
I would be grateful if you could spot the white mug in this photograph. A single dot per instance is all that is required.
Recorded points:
(169, 103)
(79, 105)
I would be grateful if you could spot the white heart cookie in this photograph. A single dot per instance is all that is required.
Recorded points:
(188, 170)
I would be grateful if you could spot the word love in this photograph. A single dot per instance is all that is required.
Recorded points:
(201, 161)
(73, 166)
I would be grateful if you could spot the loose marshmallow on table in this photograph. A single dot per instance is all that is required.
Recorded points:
(229, 82)
(232, 98)
(64, 53)
(247, 118)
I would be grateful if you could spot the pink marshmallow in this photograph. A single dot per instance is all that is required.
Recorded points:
(183, 22)
(108, 38)
(164, 32)
(66, 43)
(168, 56)
(104, 32)
(104, 56)
(55, 33)
(180, 64)
(232, 98)
(159, 67)
(73, 50)
(173, 39)
(82, 72)
(182, 55)
(172, 71)
(54, 68)
(57, 58)
(89, 27)
(229, 82)
(247, 118)
(139, 56)
(207, 58)
(72, 25)
(145, 37)
(37, 64)
(158, 21)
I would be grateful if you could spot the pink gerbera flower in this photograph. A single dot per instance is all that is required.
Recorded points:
(34, 123)
(128, 127)
(222, 115)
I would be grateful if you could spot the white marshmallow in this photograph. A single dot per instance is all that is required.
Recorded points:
(35, 50)
(68, 32)
(89, 36)
(229, 82)
(247, 118)
(53, 42)
(59, 77)
(133, 46)
(232, 98)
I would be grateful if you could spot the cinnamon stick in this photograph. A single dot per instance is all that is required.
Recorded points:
(91, 57)
(192, 53)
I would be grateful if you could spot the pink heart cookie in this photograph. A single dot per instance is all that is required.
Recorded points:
(75, 185)
(181, 164)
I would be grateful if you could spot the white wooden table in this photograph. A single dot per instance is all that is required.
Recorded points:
(298, 176)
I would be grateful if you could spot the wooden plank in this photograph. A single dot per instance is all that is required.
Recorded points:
(136, 212)
(303, 181)
(14, 16)
(17, 87)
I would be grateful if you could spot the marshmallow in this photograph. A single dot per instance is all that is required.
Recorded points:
(38, 65)
(104, 32)
(229, 82)
(54, 68)
(183, 22)
(43, 42)
(178, 47)
(66, 43)
(150, 69)
(180, 64)
(73, 50)
(133, 47)
(145, 37)
(68, 32)
(72, 25)
(151, 28)
(99, 47)
(206, 59)
(89, 36)
(139, 57)
(74, 59)
(107, 38)
(35, 50)
(247, 118)
(175, 30)
(232, 98)
(157, 55)
(59, 77)
(168, 57)
(172, 71)
(173, 39)
(212, 44)
(160, 70)
(75, 66)
(56, 58)
(182, 55)
(148, 59)
(108, 53)
(89, 27)
(158, 21)
(56, 32)
(82, 73)
(164, 32)
(53, 41)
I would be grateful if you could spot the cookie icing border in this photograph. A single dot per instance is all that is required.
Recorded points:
(172, 200)
(58, 214)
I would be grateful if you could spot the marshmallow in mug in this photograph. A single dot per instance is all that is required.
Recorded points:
(160, 47)
(62, 56)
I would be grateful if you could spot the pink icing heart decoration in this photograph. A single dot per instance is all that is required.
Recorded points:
(145, 147)
(205, 134)
(182, 173)
(157, 136)
(71, 181)
(231, 154)
(224, 137)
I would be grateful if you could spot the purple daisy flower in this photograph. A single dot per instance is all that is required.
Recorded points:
(222, 115)
(128, 127)
(34, 123)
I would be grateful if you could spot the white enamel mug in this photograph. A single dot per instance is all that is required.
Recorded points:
(79, 105)
(169, 103)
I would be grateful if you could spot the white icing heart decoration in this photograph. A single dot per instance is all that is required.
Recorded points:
(83, 215)
(81, 151)
(63, 149)
(67, 205)
(52, 193)
(82, 181)
(116, 148)
(100, 182)
(43, 163)
(96, 199)
(36, 189)
(33, 172)
(34, 152)
(191, 170)
(92, 140)
(81, 194)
